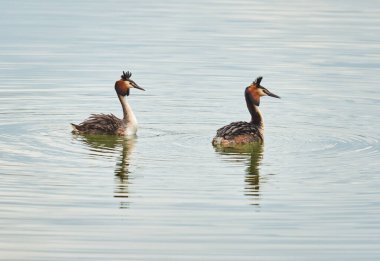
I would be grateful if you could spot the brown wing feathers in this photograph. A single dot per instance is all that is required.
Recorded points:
(99, 124)
(235, 129)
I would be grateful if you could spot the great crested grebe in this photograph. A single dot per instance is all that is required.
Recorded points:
(109, 123)
(241, 132)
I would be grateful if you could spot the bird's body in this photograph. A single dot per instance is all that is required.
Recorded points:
(238, 132)
(109, 124)
(100, 124)
(241, 132)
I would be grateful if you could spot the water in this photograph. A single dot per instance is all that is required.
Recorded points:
(310, 193)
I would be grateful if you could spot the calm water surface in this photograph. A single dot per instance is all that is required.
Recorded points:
(310, 193)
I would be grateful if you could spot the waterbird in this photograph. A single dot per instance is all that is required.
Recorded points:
(108, 123)
(241, 132)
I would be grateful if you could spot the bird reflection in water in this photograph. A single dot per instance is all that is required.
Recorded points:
(108, 146)
(251, 154)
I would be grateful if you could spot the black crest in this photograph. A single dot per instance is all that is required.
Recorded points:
(258, 80)
(126, 75)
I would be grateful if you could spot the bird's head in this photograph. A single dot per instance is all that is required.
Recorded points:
(123, 85)
(255, 91)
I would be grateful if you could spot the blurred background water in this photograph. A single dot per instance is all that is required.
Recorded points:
(310, 193)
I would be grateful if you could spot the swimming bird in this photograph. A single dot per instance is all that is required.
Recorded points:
(241, 132)
(109, 123)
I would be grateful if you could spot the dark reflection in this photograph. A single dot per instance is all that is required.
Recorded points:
(250, 154)
(108, 146)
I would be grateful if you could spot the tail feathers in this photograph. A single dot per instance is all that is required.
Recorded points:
(75, 128)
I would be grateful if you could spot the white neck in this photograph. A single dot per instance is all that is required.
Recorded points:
(260, 115)
(129, 118)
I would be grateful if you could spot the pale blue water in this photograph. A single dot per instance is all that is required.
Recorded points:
(310, 193)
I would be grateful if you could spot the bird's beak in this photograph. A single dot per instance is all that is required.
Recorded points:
(137, 87)
(271, 94)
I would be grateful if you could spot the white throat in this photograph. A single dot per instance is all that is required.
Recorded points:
(129, 118)
(262, 118)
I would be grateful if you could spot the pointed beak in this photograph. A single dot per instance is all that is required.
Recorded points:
(271, 94)
(137, 87)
